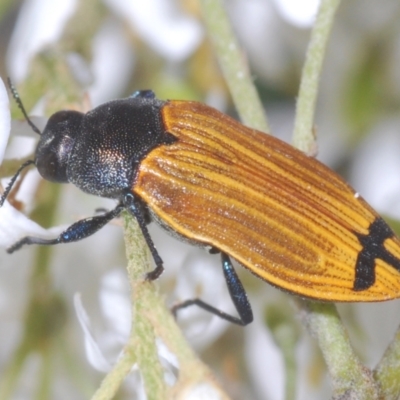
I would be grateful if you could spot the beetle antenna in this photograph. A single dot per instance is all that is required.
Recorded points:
(13, 179)
(21, 107)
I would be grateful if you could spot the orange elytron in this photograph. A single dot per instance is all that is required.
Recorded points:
(283, 215)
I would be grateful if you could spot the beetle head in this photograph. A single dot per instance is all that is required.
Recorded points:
(55, 145)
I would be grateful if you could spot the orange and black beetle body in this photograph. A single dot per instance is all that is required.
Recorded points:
(283, 215)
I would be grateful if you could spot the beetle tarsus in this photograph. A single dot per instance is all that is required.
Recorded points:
(31, 240)
(153, 275)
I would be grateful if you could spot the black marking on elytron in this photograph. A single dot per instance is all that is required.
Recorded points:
(373, 248)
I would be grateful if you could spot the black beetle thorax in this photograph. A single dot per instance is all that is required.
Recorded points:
(113, 140)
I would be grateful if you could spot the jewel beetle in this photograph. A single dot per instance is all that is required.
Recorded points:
(212, 181)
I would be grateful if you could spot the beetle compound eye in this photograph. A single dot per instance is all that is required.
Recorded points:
(51, 164)
(55, 145)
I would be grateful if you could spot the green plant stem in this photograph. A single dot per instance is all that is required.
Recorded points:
(9, 378)
(113, 380)
(286, 339)
(349, 376)
(234, 65)
(303, 137)
(387, 372)
(285, 332)
(46, 375)
(151, 320)
(144, 298)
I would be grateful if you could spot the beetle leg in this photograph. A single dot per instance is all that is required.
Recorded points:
(213, 250)
(77, 231)
(101, 210)
(135, 207)
(237, 293)
(144, 94)
(12, 181)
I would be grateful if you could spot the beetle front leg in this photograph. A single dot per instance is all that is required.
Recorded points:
(77, 231)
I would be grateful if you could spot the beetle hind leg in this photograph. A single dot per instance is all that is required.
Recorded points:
(237, 293)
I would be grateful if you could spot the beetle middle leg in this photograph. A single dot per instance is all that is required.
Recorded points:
(136, 208)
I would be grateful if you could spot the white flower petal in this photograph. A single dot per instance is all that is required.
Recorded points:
(40, 22)
(14, 225)
(169, 361)
(93, 352)
(202, 391)
(264, 360)
(202, 277)
(5, 119)
(171, 33)
(376, 168)
(166, 354)
(299, 13)
(112, 62)
(114, 301)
